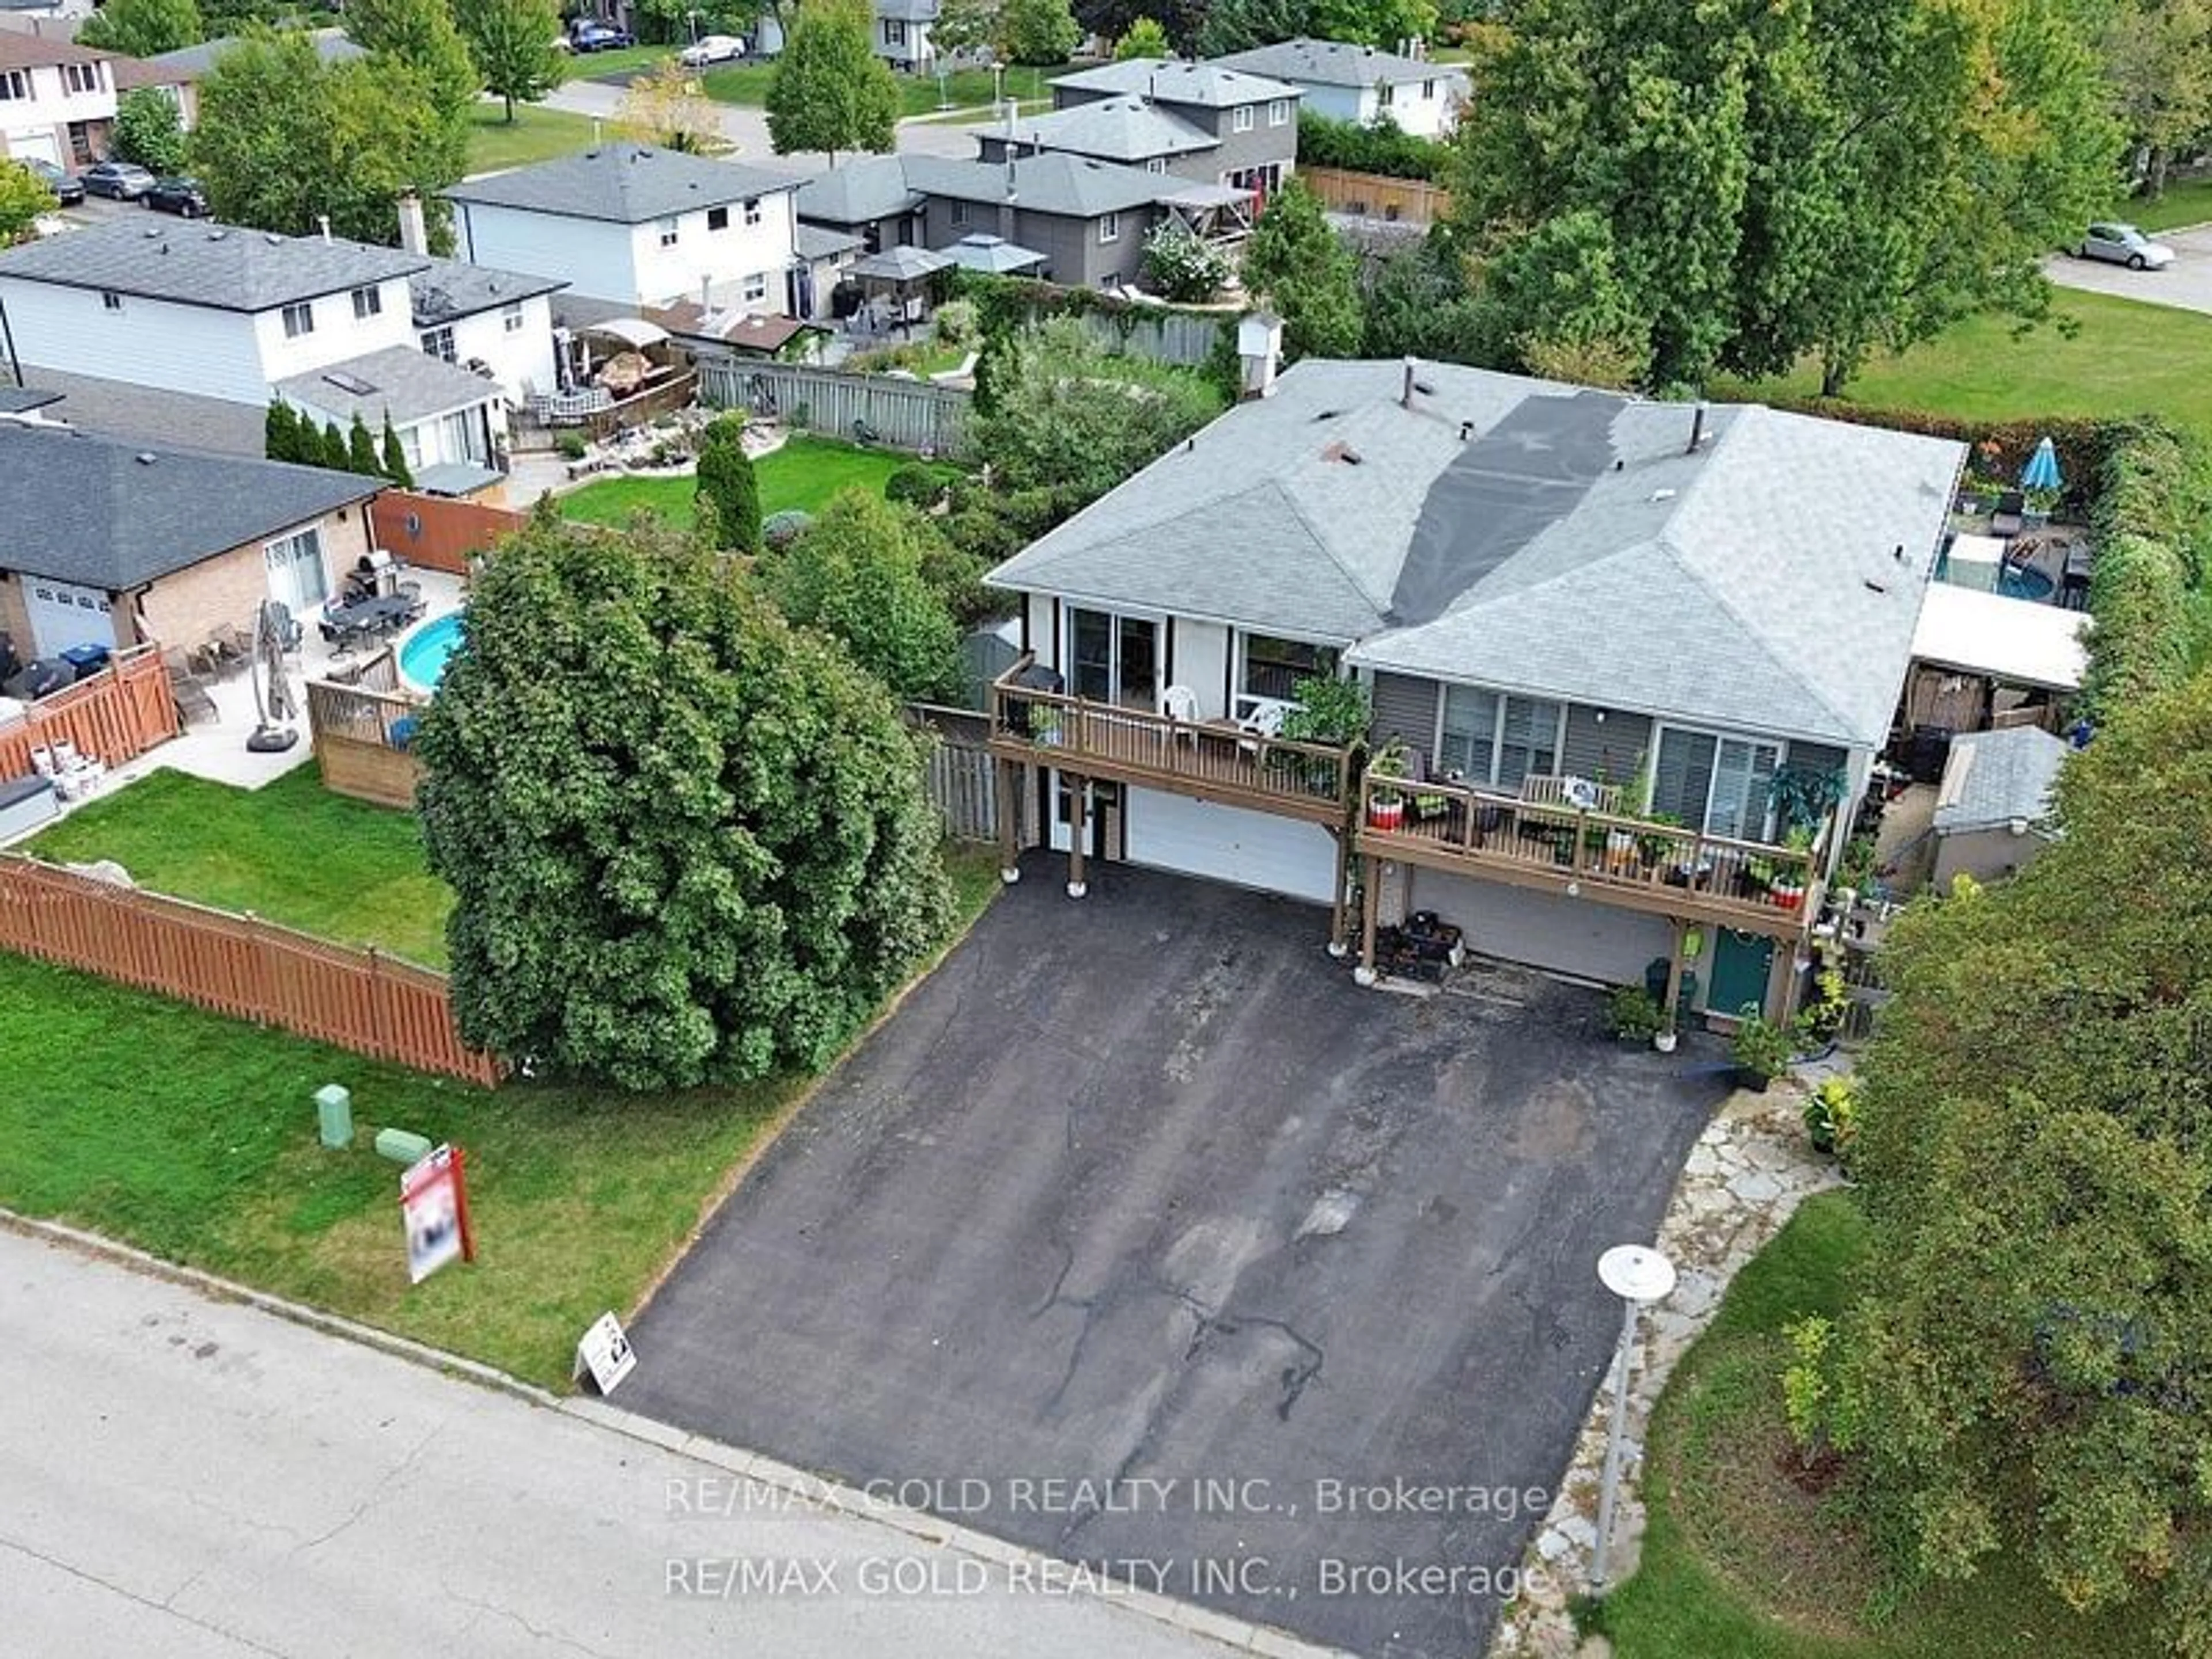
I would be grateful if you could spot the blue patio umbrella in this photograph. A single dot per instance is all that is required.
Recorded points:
(2042, 470)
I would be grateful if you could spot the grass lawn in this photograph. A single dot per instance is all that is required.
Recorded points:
(537, 134)
(2125, 358)
(292, 852)
(193, 1137)
(801, 476)
(968, 90)
(1740, 1563)
(2186, 203)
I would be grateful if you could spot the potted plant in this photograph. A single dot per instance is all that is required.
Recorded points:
(1665, 1037)
(1386, 805)
(2037, 506)
(1761, 1051)
(1787, 883)
(1652, 845)
(1044, 724)
(1831, 1117)
(1632, 1015)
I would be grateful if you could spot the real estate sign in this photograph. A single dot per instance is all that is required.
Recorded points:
(435, 1204)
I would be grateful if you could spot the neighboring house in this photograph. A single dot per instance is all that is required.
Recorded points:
(497, 323)
(57, 100)
(868, 197)
(180, 72)
(1359, 84)
(1088, 219)
(1130, 130)
(1993, 811)
(901, 37)
(1560, 599)
(1253, 119)
(106, 541)
(636, 225)
(57, 17)
(228, 317)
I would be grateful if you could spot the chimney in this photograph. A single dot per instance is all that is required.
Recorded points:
(1697, 428)
(1260, 352)
(324, 220)
(1406, 394)
(414, 232)
(706, 294)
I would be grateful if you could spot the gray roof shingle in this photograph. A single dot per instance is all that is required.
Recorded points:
(1484, 535)
(854, 192)
(111, 513)
(447, 288)
(201, 263)
(190, 62)
(1072, 186)
(1175, 81)
(400, 381)
(1121, 129)
(626, 184)
(1336, 64)
(1997, 778)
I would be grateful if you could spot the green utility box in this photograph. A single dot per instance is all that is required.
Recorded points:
(402, 1145)
(334, 1109)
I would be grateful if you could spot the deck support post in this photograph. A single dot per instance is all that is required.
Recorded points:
(1077, 829)
(1009, 804)
(1337, 945)
(1782, 981)
(1372, 870)
(1671, 1008)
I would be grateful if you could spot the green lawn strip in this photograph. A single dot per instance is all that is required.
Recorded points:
(2187, 203)
(593, 66)
(970, 89)
(1738, 1562)
(537, 134)
(2123, 357)
(290, 852)
(804, 475)
(193, 1137)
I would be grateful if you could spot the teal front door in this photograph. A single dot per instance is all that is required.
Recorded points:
(1741, 962)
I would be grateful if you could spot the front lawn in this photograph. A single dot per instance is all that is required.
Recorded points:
(291, 852)
(802, 475)
(1740, 1562)
(968, 90)
(535, 134)
(2186, 203)
(2124, 358)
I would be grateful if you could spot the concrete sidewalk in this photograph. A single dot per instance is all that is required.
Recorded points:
(188, 1476)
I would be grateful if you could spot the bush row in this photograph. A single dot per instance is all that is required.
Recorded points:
(1382, 148)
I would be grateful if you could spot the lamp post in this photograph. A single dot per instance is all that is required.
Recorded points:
(1637, 1275)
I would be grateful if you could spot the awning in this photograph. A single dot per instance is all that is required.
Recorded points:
(2016, 642)
(632, 331)
(994, 254)
(902, 264)
(456, 479)
(1204, 195)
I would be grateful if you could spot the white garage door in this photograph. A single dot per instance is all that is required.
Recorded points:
(1231, 843)
(37, 144)
(1574, 936)
(62, 615)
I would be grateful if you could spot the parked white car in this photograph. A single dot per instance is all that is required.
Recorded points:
(2124, 244)
(711, 49)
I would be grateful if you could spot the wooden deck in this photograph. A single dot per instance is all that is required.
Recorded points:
(1600, 856)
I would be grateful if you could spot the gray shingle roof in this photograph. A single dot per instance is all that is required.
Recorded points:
(83, 508)
(447, 288)
(627, 184)
(201, 263)
(400, 381)
(1122, 129)
(1072, 186)
(854, 192)
(1173, 80)
(1336, 64)
(190, 62)
(1752, 584)
(1995, 778)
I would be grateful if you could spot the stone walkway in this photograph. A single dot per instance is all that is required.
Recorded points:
(1743, 1179)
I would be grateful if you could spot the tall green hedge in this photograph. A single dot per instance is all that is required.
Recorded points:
(2140, 645)
(1381, 147)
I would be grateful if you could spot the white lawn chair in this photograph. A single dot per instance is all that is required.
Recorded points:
(1180, 704)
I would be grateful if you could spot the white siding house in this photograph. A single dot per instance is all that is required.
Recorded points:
(1347, 82)
(57, 100)
(636, 225)
(494, 322)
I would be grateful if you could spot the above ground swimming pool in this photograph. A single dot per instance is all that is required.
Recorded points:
(423, 652)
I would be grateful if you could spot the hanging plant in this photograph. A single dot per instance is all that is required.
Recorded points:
(1804, 795)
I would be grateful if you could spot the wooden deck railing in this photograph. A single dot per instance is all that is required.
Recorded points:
(363, 737)
(1216, 760)
(1606, 855)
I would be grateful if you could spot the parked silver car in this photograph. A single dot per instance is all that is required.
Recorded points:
(2124, 244)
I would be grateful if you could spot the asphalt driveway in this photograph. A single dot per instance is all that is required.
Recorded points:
(1141, 1236)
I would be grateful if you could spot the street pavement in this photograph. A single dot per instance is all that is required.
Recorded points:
(2186, 283)
(198, 1479)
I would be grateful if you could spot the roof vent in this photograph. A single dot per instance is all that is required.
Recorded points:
(1662, 495)
(217, 235)
(273, 240)
(1620, 464)
(1875, 587)
(152, 233)
(147, 458)
(1898, 552)
(1465, 430)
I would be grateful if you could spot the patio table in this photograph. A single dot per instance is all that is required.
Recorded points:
(369, 618)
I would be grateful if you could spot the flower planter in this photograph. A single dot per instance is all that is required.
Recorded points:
(1789, 898)
(1386, 814)
(1756, 1082)
(1664, 1041)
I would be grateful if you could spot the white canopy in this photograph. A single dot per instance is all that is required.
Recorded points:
(632, 331)
(2017, 642)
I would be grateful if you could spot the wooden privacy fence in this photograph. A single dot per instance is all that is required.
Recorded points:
(1178, 338)
(957, 770)
(435, 531)
(241, 966)
(363, 735)
(1377, 196)
(115, 716)
(909, 415)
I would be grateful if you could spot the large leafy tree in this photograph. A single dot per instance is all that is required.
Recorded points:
(283, 139)
(2031, 1363)
(1303, 268)
(1037, 31)
(149, 129)
(729, 489)
(857, 573)
(666, 107)
(1144, 37)
(1385, 23)
(830, 91)
(422, 34)
(24, 197)
(142, 28)
(1828, 177)
(1239, 25)
(687, 842)
(2159, 54)
(512, 41)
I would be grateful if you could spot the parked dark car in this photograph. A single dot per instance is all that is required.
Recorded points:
(67, 191)
(183, 197)
(592, 35)
(124, 180)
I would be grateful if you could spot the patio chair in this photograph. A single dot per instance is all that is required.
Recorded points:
(2011, 516)
(188, 690)
(1180, 704)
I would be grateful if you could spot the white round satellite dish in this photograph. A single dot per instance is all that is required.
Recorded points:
(1636, 1272)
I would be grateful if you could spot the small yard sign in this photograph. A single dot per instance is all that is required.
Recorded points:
(605, 1352)
(433, 1200)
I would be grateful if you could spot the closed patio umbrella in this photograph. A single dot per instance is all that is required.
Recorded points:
(2042, 470)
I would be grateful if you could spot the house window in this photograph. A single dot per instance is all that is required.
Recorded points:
(297, 574)
(367, 302)
(959, 215)
(753, 211)
(1114, 658)
(80, 77)
(438, 342)
(1273, 667)
(668, 233)
(299, 319)
(718, 218)
(1241, 119)
(1717, 784)
(510, 318)
(461, 436)
(1428, 92)
(1109, 229)
(15, 83)
(1278, 112)
(110, 300)
(1488, 737)
(894, 32)
(1158, 164)
(756, 286)
(1385, 94)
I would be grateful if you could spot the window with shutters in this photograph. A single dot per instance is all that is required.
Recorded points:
(1496, 740)
(1719, 785)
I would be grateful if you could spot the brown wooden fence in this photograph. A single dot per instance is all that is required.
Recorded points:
(115, 716)
(1375, 196)
(958, 770)
(241, 966)
(435, 531)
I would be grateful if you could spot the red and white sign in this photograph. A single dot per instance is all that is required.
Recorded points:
(433, 1200)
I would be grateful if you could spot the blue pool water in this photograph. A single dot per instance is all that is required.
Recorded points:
(422, 653)
(2014, 584)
